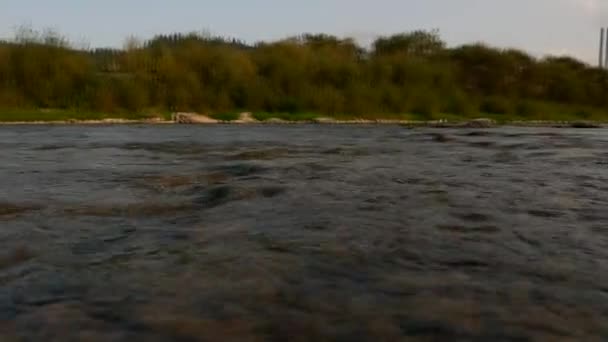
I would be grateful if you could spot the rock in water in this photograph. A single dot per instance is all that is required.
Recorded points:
(585, 124)
(480, 123)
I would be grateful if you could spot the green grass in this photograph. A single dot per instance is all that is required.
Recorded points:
(32, 115)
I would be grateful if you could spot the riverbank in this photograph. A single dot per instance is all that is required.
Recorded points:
(246, 118)
(412, 124)
(109, 121)
(405, 123)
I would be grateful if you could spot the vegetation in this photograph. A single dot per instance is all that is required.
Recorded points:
(39, 115)
(410, 75)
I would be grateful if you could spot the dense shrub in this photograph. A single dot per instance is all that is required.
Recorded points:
(529, 109)
(496, 105)
(410, 73)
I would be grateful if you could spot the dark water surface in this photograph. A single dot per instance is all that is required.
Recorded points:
(303, 233)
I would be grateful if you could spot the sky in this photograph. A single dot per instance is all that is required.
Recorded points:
(569, 27)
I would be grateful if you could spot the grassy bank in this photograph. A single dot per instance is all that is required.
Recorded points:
(544, 112)
(504, 112)
(57, 115)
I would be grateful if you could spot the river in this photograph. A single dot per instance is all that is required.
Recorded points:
(304, 232)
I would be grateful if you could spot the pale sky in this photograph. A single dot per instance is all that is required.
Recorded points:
(537, 26)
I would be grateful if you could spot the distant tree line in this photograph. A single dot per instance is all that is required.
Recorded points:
(405, 73)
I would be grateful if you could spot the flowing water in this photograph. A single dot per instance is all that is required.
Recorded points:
(302, 233)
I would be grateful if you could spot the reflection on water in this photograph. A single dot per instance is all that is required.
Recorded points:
(243, 233)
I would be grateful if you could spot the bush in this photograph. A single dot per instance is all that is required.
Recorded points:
(424, 104)
(529, 109)
(583, 113)
(411, 73)
(226, 116)
(459, 104)
(495, 105)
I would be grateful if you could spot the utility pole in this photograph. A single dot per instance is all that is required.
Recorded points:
(606, 49)
(601, 61)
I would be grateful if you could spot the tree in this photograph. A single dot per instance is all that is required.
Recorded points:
(417, 43)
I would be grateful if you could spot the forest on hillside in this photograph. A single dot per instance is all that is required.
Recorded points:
(412, 73)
